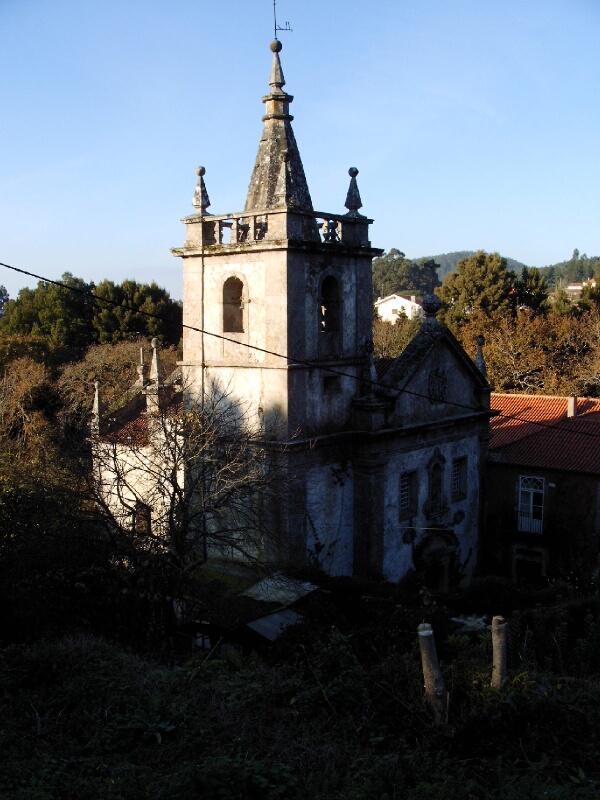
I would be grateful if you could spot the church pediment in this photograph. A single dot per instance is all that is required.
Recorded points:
(432, 379)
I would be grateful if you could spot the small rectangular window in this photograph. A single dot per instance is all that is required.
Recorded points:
(332, 384)
(459, 478)
(408, 494)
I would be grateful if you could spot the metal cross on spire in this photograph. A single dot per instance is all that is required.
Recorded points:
(286, 25)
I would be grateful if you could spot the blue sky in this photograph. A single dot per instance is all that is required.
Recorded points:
(474, 124)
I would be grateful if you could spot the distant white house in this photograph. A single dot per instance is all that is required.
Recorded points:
(575, 289)
(395, 305)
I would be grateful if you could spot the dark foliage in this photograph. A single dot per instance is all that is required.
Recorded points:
(394, 273)
(448, 262)
(75, 315)
(328, 714)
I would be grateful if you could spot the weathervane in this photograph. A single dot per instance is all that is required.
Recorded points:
(286, 25)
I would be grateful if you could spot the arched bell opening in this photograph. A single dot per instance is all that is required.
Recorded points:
(233, 306)
(330, 317)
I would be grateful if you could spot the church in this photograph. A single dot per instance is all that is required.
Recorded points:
(383, 457)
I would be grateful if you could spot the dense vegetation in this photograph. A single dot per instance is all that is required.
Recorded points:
(386, 280)
(326, 714)
(393, 272)
(71, 315)
(448, 262)
(535, 342)
(578, 268)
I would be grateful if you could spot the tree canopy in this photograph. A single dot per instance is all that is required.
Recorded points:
(531, 289)
(61, 314)
(393, 272)
(482, 282)
(75, 314)
(580, 267)
(3, 299)
(135, 309)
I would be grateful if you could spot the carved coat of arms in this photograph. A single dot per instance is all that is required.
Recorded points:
(437, 385)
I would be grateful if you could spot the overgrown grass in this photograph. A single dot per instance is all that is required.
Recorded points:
(84, 719)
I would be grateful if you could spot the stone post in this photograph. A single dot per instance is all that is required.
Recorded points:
(436, 693)
(499, 629)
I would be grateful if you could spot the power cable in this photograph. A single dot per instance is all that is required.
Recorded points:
(293, 360)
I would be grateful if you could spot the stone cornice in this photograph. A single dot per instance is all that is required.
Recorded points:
(263, 245)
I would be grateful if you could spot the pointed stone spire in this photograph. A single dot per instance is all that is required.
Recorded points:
(157, 394)
(97, 411)
(353, 201)
(142, 370)
(278, 178)
(157, 371)
(369, 350)
(276, 80)
(201, 201)
(479, 359)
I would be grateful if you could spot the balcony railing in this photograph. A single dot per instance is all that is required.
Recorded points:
(528, 523)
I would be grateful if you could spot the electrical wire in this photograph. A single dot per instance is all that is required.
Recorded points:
(288, 358)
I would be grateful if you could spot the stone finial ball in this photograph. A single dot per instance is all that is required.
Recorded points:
(154, 343)
(431, 304)
(276, 46)
(480, 340)
(200, 172)
(353, 172)
(96, 384)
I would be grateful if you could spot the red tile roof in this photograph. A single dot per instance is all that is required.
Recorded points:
(131, 428)
(534, 430)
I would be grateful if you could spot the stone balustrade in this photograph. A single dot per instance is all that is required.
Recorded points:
(246, 228)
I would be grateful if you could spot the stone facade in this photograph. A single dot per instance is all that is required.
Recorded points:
(384, 459)
(381, 460)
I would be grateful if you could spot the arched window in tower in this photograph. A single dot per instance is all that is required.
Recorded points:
(331, 306)
(233, 306)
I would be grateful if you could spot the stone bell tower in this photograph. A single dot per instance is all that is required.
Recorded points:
(275, 292)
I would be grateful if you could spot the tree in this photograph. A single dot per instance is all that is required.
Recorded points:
(561, 302)
(62, 314)
(574, 268)
(393, 272)
(187, 483)
(26, 398)
(534, 353)
(135, 309)
(482, 282)
(113, 365)
(19, 345)
(73, 316)
(531, 289)
(391, 339)
(3, 299)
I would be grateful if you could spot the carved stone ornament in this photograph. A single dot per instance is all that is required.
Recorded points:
(201, 200)
(437, 385)
(353, 201)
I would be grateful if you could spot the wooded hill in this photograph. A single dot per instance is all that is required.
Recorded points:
(449, 261)
(394, 272)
